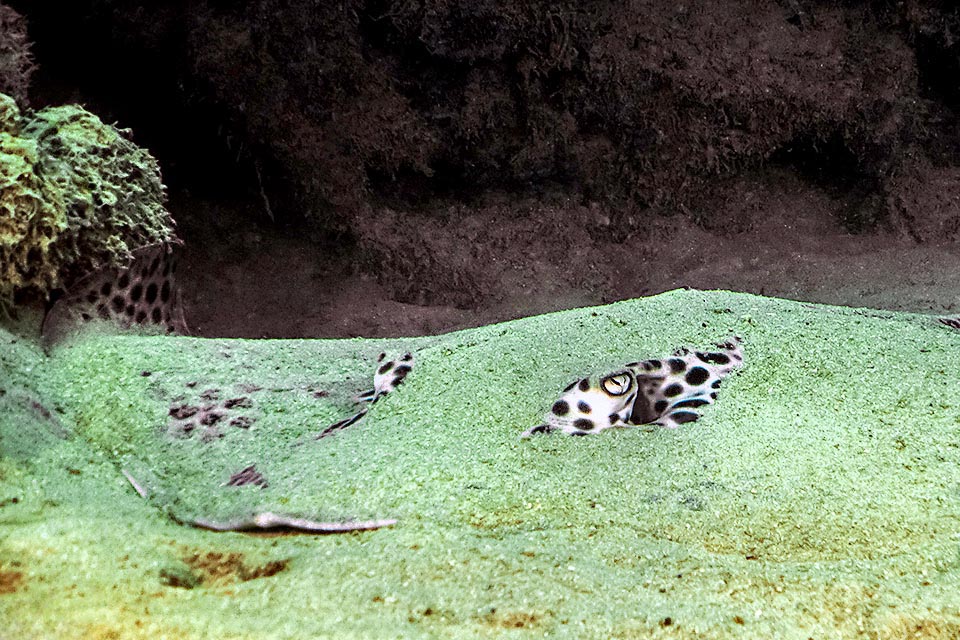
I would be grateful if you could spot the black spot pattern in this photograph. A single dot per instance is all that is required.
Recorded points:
(583, 407)
(614, 418)
(151, 293)
(106, 289)
(165, 291)
(136, 292)
(155, 315)
(677, 365)
(660, 406)
(129, 310)
(141, 316)
(386, 366)
(92, 297)
(124, 280)
(673, 390)
(683, 417)
(584, 384)
(716, 384)
(714, 358)
(560, 408)
(117, 304)
(584, 424)
(693, 403)
(697, 376)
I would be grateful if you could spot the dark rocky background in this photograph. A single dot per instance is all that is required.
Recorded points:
(376, 168)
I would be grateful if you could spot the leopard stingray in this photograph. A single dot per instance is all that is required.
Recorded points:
(390, 374)
(144, 292)
(213, 417)
(664, 392)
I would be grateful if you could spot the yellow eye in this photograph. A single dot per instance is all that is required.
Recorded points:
(617, 384)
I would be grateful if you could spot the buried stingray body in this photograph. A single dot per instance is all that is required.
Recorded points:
(390, 373)
(664, 392)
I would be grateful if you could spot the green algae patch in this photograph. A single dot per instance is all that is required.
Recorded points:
(819, 496)
(77, 195)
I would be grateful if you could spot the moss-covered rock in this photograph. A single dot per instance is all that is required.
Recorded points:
(77, 195)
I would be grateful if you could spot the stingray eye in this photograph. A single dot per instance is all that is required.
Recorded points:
(617, 384)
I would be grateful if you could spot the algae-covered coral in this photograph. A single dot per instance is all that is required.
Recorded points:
(77, 194)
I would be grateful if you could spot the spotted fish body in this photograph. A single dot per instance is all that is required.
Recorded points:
(664, 392)
(143, 292)
(389, 375)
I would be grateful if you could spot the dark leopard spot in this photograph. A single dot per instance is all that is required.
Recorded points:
(386, 366)
(165, 291)
(584, 384)
(716, 384)
(714, 358)
(697, 376)
(106, 289)
(673, 390)
(693, 403)
(210, 418)
(614, 418)
(155, 315)
(136, 292)
(570, 386)
(654, 365)
(683, 417)
(183, 411)
(407, 357)
(123, 281)
(560, 408)
(238, 402)
(129, 310)
(677, 365)
(583, 423)
(117, 304)
(141, 316)
(151, 293)
(660, 406)
(92, 297)
(583, 407)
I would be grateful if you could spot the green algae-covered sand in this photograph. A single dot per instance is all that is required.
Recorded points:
(818, 498)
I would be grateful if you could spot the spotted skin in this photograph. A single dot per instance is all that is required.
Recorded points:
(389, 375)
(144, 292)
(665, 392)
